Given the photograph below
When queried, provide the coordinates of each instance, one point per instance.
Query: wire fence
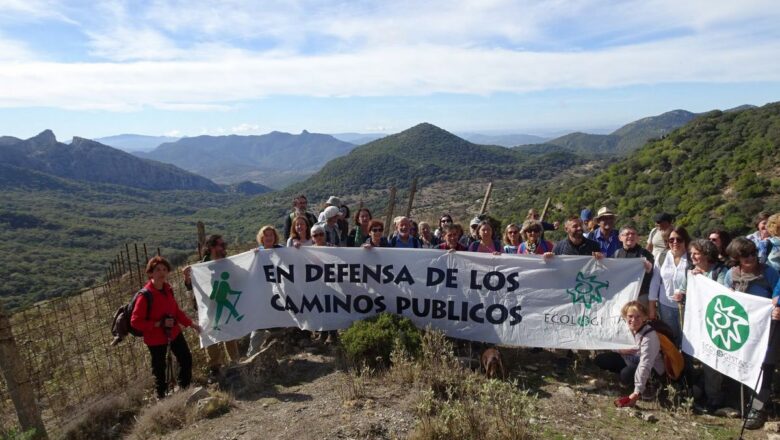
(64, 345)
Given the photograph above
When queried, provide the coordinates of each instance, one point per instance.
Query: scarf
(741, 281)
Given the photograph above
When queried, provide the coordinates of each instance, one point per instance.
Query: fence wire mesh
(65, 346)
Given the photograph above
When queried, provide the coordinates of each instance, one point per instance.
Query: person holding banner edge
(216, 249)
(751, 277)
(706, 261)
(161, 324)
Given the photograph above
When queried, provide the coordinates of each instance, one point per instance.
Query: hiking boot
(755, 419)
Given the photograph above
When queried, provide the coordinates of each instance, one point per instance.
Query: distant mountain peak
(45, 137)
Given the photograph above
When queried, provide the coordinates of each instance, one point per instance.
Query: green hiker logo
(587, 291)
(727, 323)
(219, 294)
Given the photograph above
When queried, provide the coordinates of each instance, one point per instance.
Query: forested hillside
(59, 234)
(719, 170)
(432, 155)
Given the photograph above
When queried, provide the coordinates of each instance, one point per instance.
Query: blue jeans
(671, 317)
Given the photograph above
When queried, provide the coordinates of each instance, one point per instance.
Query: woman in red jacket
(160, 325)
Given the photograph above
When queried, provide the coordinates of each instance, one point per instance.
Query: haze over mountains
(274, 159)
(135, 142)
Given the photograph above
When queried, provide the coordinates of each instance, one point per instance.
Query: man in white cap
(330, 225)
(332, 201)
(606, 235)
(466, 240)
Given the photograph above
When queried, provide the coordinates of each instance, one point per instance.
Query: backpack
(120, 325)
(673, 358)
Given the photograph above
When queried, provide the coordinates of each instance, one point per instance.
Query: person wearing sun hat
(606, 235)
(332, 201)
(473, 235)
(586, 215)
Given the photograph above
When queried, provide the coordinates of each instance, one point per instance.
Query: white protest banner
(726, 330)
(568, 302)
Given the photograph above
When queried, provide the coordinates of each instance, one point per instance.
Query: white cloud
(195, 56)
(245, 128)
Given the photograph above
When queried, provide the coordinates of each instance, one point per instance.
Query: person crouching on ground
(160, 324)
(636, 366)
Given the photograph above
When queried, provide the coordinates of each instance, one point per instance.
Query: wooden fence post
(544, 211)
(138, 266)
(201, 239)
(18, 381)
(390, 209)
(412, 191)
(129, 263)
(486, 199)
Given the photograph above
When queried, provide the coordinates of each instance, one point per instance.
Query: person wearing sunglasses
(666, 295)
(533, 242)
(318, 235)
(376, 237)
(444, 220)
(750, 276)
(721, 240)
(511, 238)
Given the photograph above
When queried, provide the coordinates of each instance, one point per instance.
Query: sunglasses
(319, 234)
(533, 231)
(675, 240)
(513, 232)
(445, 220)
(377, 229)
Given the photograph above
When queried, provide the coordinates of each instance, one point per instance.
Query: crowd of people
(748, 264)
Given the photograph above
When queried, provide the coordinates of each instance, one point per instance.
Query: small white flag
(727, 330)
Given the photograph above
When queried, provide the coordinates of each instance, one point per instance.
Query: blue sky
(95, 69)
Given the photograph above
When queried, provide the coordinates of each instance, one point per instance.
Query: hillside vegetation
(432, 155)
(625, 139)
(59, 235)
(719, 170)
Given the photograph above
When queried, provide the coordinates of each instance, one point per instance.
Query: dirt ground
(309, 397)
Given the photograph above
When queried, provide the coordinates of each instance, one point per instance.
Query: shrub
(172, 413)
(372, 340)
(106, 418)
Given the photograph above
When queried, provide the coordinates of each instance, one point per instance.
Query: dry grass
(173, 413)
(107, 418)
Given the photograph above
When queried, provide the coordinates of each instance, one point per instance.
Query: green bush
(372, 340)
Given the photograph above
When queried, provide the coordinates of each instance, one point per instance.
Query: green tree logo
(587, 290)
(220, 293)
(727, 323)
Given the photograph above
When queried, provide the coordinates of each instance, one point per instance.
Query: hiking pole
(772, 329)
(752, 397)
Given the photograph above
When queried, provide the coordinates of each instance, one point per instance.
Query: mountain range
(90, 161)
(623, 140)
(135, 142)
(274, 159)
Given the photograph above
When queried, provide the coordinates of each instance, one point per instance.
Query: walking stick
(772, 329)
